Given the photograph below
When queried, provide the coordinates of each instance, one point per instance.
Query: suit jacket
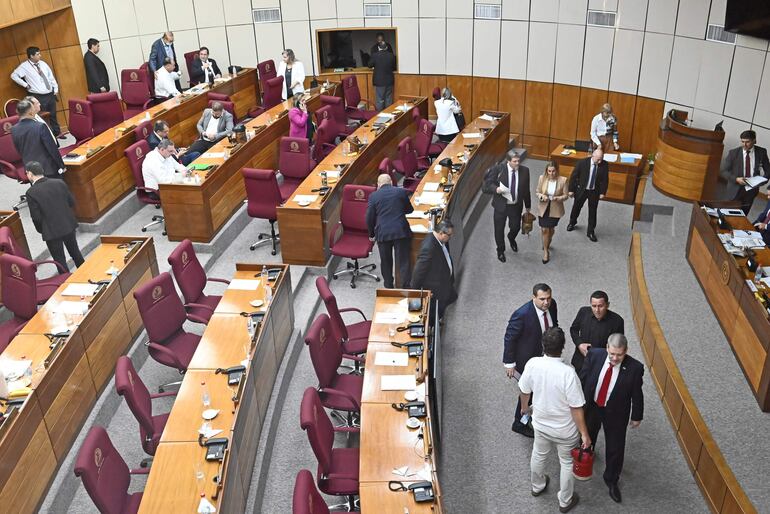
(587, 329)
(627, 398)
(386, 214)
(96, 73)
(557, 206)
(224, 127)
(578, 181)
(34, 142)
(761, 219)
(733, 167)
(158, 54)
(384, 64)
(499, 173)
(523, 337)
(50, 206)
(197, 75)
(431, 271)
(153, 140)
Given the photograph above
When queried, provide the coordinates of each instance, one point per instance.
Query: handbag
(527, 222)
(460, 120)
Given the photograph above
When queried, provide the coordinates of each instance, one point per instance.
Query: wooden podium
(687, 159)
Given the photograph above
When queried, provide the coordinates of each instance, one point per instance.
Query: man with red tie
(745, 161)
(612, 385)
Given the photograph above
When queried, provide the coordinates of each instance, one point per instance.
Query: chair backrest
(386, 166)
(294, 157)
(351, 91)
(266, 71)
(339, 329)
(273, 92)
(325, 350)
(228, 106)
(262, 193)
(416, 116)
(188, 272)
(135, 155)
(129, 385)
(307, 499)
(324, 133)
(103, 471)
(10, 107)
(159, 306)
(218, 96)
(81, 119)
(355, 199)
(8, 150)
(143, 130)
(407, 156)
(337, 107)
(8, 243)
(423, 137)
(106, 109)
(189, 57)
(19, 285)
(325, 114)
(133, 88)
(320, 432)
(150, 78)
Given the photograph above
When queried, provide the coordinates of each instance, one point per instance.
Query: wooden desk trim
(717, 483)
(12, 220)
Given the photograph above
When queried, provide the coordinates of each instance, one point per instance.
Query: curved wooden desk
(687, 159)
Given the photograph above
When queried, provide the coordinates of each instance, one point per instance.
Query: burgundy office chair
(129, 385)
(228, 106)
(436, 93)
(163, 316)
(189, 57)
(406, 164)
(135, 91)
(80, 124)
(135, 155)
(273, 92)
(149, 80)
(353, 100)
(294, 163)
(337, 473)
(105, 474)
(19, 287)
(307, 499)
(143, 130)
(386, 168)
(263, 195)
(9, 108)
(107, 110)
(336, 108)
(354, 242)
(266, 71)
(10, 161)
(423, 139)
(354, 337)
(325, 140)
(46, 287)
(191, 279)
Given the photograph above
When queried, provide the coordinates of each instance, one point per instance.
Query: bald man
(161, 49)
(386, 219)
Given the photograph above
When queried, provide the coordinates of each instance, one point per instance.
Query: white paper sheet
(80, 290)
(305, 198)
(486, 117)
(79, 158)
(206, 507)
(431, 186)
(391, 359)
(429, 198)
(471, 135)
(611, 157)
(332, 173)
(752, 182)
(13, 369)
(419, 229)
(397, 382)
(631, 155)
(213, 155)
(243, 284)
(506, 191)
(72, 307)
(389, 318)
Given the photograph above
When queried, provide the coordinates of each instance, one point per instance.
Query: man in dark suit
(384, 64)
(386, 219)
(434, 268)
(204, 70)
(33, 141)
(50, 206)
(162, 48)
(762, 222)
(96, 71)
(592, 326)
(160, 131)
(589, 181)
(523, 340)
(612, 385)
(508, 183)
(380, 40)
(747, 160)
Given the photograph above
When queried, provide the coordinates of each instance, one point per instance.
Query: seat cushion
(351, 384)
(210, 300)
(10, 329)
(287, 187)
(344, 461)
(359, 330)
(353, 246)
(359, 114)
(356, 346)
(182, 345)
(131, 505)
(436, 148)
(47, 287)
(158, 424)
(399, 165)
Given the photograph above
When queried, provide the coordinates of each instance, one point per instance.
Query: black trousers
(402, 248)
(512, 214)
(200, 145)
(56, 247)
(48, 104)
(614, 439)
(577, 205)
(746, 198)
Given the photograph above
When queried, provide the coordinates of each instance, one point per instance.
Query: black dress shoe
(615, 492)
(521, 428)
(592, 236)
(574, 501)
(514, 246)
(544, 489)
(570, 227)
(501, 256)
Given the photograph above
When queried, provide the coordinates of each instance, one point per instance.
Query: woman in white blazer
(446, 107)
(293, 73)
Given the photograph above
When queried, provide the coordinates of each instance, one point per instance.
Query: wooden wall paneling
(511, 99)
(484, 95)
(42, 6)
(591, 101)
(537, 109)
(60, 29)
(67, 65)
(427, 83)
(7, 44)
(9, 88)
(30, 33)
(406, 85)
(564, 112)
(462, 89)
(6, 13)
(648, 114)
(538, 146)
(624, 106)
(60, 3)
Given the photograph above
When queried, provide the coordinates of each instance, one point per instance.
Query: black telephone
(234, 374)
(215, 448)
(423, 491)
(414, 347)
(413, 409)
(416, 330)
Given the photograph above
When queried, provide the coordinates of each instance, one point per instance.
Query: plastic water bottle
(205, 397)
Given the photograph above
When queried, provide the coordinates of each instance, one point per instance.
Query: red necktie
(747, 168)
(601, 399)
(767, 218)
(545, 321)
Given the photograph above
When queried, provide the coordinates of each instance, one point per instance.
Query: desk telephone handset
(234, 374)
(414, 347)
(423, 491)
(414, 409)
(215, 448)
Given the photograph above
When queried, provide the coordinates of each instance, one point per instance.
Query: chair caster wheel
(16, 209)
(144, 229)
(352, 286)
(273, 252)
(334, 277)
(374, 266)
(165, 233)
(376, 279)
(259, 237)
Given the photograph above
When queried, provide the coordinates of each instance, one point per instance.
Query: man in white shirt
(604, 129)
(36, 77)
(165, 86)
(214, 124)
(557, 415)
(159, 166)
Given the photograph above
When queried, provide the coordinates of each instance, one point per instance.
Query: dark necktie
(592, 179)
(747, 166)
(545, 321)
(601, 398)
(48, 84)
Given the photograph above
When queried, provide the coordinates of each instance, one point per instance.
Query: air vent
(269, 15)
(601, 18)
(720, 35)
(377, 10)
(487, 12)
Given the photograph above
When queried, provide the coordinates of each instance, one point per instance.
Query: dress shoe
(547, 258)
(544, 489)
(574, 501)
(570, 227)
(514, 246)
(614, 492)
(501, 256)
(521, 428)
(592, 236)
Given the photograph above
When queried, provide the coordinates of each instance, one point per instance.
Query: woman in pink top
(298, 118)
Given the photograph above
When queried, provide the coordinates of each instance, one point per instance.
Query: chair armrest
(168, 353)
(199, 306)
(214, 279)
(342, 394)
(342, 476)
(147, 104)
(139, 471)
(163, 395)
(365, 101)
(330, 145)
(57, 264)
(333, 234)
(353, 309)
(11, 169)
(356, 358)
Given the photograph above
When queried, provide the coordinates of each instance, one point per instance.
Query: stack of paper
(305, 198)
(430, 186)
(80, 290)
(213, 155)
(243, 284)
(487, 117)
(470, 135)
(332, 173)
(611, 157)
(397, 382)
(79, 158)
(752, 182)
(389, 318)
(419, 229)
(429, 198)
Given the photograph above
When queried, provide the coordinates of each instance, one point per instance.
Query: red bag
(582, 463)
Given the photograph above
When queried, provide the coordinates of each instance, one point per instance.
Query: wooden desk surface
(235, 301)
(394, 301)
(34, 347)
(376, 497)
(372, 392)
(223, 343)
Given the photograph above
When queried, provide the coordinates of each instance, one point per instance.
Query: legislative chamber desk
(623, 176)
(305, 230)
(386, 442)
(723, 279)
(172, 485)
(12, 220)
(196, 208)
(104, 177)
(69, 372)
(488, 149)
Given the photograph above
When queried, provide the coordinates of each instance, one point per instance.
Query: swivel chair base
(272, 238)
(156, 220)
(352, 504)
(355, 270)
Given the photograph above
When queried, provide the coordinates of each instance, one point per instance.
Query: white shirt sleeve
(525, 382)
(574, 392)
(595, 129)
(19, 74)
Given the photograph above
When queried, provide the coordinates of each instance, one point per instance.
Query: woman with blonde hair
(551, 193)
(293, 73)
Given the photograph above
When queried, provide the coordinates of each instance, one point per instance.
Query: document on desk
(72, 160)
(68, 307)
(243, 284)
(429, 198)
(752, 182)
(630, 155)
(332, 173)
(487, 117)
(746, 233)
(611, 157)
(80, 290)
(13, 369)
(506, 191)
(213, 155)
(305, 199)
(419, 229)
(397, 383)
(430, 186)
(765, 281)
(471, 135)
(389, 318)
(399, 359)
